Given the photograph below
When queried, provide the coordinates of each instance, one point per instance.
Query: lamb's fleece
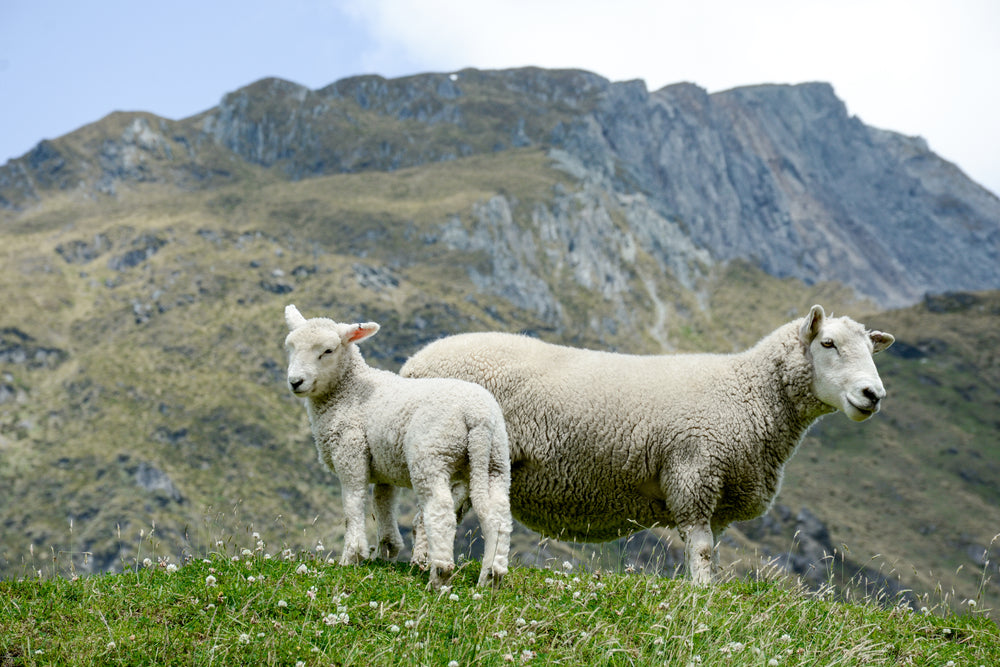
(433, 435)
(604, 444)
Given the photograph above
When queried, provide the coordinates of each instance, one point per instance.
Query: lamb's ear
(812, 325)
(358, 332)
(881, 340)
(293, 318)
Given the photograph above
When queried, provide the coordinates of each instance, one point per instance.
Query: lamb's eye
(828, 344)
(326, 352)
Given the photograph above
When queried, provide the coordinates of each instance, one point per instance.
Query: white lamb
(372, 426)
(605, 444)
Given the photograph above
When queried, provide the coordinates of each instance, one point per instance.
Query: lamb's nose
(295, 383)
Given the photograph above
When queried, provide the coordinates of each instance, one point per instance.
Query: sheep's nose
(873, 395)
(295, 383)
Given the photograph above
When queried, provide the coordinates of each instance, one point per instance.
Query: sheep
(604, 444)
(437, 436)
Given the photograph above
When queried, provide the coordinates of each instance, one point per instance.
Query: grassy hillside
(141, 369)
(247, 603)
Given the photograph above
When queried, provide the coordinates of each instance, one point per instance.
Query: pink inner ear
(360, 333)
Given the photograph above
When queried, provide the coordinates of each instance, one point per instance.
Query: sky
(920, 67)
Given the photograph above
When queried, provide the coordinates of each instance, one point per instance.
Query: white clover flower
(477, 596)
(567, 565)
(410, 624)
(453, 597)
(330, 619)
(373, 604)
(302, 569)
(527, 655)
(171, 567)
(299, 663)
(500, 634)
(251, 579)
(210, 580)
(111, 644)
(453, 663)
(235, 559)
(282, 603)
(246, 552)
(244, 638)
(311, 593)
(773, 662)
(785, 637)
(394, 628)
(146, 562)
(520, 622)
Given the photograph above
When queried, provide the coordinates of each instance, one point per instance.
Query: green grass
(251, 604)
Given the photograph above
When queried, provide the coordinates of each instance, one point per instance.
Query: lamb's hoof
(440, 576)
(491, 578)
(388, 550)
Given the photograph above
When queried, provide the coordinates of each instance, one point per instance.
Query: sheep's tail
(489, 491)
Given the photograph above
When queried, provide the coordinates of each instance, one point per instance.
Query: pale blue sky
(921, 67)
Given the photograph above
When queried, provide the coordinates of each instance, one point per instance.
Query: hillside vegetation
(247, 604)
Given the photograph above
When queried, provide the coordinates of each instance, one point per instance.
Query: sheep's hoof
(388, 550)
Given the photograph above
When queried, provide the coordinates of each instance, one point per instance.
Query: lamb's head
(844, 373)
(318, 351)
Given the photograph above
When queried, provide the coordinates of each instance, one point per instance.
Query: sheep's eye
(828, 344)
(326, 352)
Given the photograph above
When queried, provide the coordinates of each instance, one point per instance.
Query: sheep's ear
(293, 318)
(812, 325)
(881, 340)
(358, 332)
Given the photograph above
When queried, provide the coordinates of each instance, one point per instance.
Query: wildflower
(785, 637)
(282, 603)
(453, 597)
(527, 655)
(732, 647)
(445, 589)
(311, 593)
(453, 663)
(410, 624)
(246, 552)
(210, 581)
(773, 662)
(500, 634)
(299, 663)
(171, 567)
(567, 565)
(520, 622)
(302, 569)
(235, 559)
(244, 638)
(251, 579)
(146, 562)
(394, 629)
(111, 644)
(971, 603)
(477, 596)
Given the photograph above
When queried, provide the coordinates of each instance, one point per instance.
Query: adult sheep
(604, 444)
(437, 436)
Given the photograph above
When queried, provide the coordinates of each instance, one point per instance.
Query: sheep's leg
(439, 524)
(386, 521)
(698, 552)
(716, 538)
(355, 541)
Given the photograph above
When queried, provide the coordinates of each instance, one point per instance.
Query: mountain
(146, 264)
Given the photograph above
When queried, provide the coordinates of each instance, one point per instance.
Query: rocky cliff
(780, 176)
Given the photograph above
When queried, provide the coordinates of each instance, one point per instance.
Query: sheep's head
(317, 351)
(844, 373)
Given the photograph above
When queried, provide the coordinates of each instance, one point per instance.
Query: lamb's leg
(419, 556)
(439, 524)
(355, 540)
(496, 525)
(698, 552)
(386, 521)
